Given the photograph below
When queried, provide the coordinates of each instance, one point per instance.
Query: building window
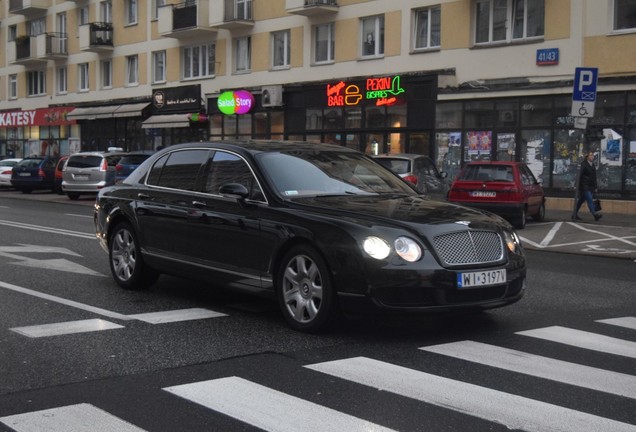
(156, 4)
(158, 66)
(198, 61)
(426, 28)
(36, 83)
(624, 15)
(106, 11)
(131, 12)
(107, 73)
(132, 77)
(280, 49)
(82, 77)
(324, 43)
(13, 86)
(36, 27)
(242, 54)
(243, 9)
(13, 32)
(62, 84)
(526, 18)
(82, 15)
(372, 36)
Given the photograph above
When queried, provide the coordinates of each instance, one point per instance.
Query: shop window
(449, 152)
(244, 124)
(277, 123)
(507, 112)
(631, 108)
(536, 112)
(480, 114)
(372, 36)
(624, 15)
(448, 115)
(396, 116)
(478, 145)
(609, 109)
(314, 119)
(426, 28)
(375, 117)
(492, 17)
(281, 42)
(505, 146)
(534, 150)
(353, 118)
(333, 119)
(630, 161)
(608, 143)
(324, 43)
(568, 153)
(419, 143)
(36, 83)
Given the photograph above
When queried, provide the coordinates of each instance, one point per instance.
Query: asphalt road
(76, 350)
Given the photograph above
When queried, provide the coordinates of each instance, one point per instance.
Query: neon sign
(381, 90)
(235, 102)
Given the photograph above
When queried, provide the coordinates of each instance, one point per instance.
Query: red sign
(38, 117)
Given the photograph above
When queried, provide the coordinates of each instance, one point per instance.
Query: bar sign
(548, 56)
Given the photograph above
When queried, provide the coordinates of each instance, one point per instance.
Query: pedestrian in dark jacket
(587, 187)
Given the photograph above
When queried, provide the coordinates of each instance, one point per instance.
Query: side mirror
(234, 190)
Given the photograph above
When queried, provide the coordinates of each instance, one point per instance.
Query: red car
(508, 189)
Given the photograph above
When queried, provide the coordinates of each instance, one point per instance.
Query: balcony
(185, 20)
(51, 46)
(96, 37)
(29, 7)
(23, 51)
(311, 7)
(235, 14)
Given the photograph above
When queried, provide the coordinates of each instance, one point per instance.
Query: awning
(167, 121)
(107, 111)
(130, 110)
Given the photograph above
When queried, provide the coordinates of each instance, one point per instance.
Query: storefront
(45, 131)
(176, 116)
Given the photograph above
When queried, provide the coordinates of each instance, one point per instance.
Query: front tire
(521, 220)
(126, 263)
(306, 295)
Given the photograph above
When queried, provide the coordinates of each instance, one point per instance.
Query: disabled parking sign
(584, 92)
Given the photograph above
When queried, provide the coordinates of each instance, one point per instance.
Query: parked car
(36, 172)
(322, 228)
(419, 170)
(129, 162)
(88, 172)
(59, 173)
(6, 168)
(508, 189)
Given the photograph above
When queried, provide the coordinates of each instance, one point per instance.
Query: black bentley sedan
(323, 228)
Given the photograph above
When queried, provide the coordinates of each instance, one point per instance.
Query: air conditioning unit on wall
(272, 96)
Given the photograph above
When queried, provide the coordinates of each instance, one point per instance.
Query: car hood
(399, 211)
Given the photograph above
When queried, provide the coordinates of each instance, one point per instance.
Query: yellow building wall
(347, 35)
(267, 9)
(221, 66)
(144, 59)
(173, 64)
(455, 25)
(260, 52)
(392, 39)
(128, 34)
(611, 54)
(297, 43)
(557, 19)
(119, 71)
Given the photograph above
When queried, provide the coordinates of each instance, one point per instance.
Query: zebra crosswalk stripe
(72, 418)
(269, 409)
(627, 322)
(539, 366)
(583, 339)
(515, 412)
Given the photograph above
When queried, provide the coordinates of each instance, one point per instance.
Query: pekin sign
(235, 102)
(377, 91)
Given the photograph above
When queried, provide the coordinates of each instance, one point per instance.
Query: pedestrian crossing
(267, 408)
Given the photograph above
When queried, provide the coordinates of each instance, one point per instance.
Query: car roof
(97, 153)
(495, 163)
(410, 156)
(262, 146)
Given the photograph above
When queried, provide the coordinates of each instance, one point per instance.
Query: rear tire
(540, 215)
(305, 293)
(73, 196)
(26, 191)
(126, 263)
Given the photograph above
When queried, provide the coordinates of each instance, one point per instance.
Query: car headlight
(376, 247)
(406, 248)
(512, 242)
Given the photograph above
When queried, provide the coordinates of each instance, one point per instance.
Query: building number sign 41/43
(547, 57)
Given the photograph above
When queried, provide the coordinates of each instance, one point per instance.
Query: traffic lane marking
(49, 230)
(64, 328)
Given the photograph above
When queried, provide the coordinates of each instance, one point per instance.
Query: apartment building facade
(457, 80)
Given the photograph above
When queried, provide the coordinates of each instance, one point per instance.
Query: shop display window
(535, 152)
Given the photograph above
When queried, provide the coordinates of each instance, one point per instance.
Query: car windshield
(84, 161)
(399, 166)
(487, 173)
(324, 173)
(8, 163)
(133, 159)
(30, 163)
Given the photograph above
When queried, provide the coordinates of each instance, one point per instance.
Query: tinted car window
(398, 166)
(30, 163)
(133, 159)
(179, 169)
(85, 161)
(487, 173)
(229, 168)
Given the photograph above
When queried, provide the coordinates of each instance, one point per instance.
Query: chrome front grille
(469, 247)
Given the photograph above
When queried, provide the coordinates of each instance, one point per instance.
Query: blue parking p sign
(584, 92)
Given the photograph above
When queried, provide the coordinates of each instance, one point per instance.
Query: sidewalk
(613, 236)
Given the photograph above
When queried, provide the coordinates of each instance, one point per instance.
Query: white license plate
(488, 194)
(24, 174)
(81, 177)
(481, 278)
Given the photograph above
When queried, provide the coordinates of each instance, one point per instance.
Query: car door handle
(198, 204)
(143, 196)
